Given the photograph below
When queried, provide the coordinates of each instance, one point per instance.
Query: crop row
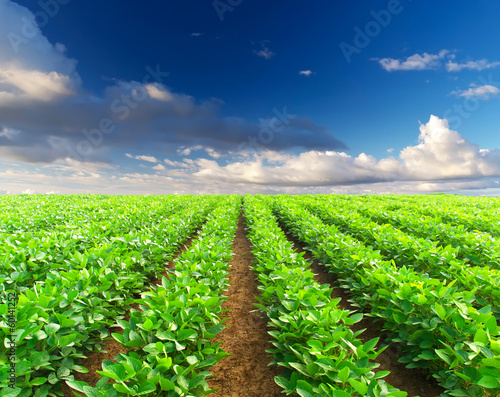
(477, 247)
(171, 334)
(147, 244)
(21, 214)
(457, 213)
(69, 309)
(312, 339)
(420, 254)
(436, 324)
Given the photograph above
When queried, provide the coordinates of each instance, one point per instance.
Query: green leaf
(184, 334)
(52, 328)
(282, 382)
(489, 382)
(361, 388)
(123, 389)
(344, 374)
(146, 388)
(192, 360)
(441, 353)
(91, 392)
(115, 372)
(381, 374)
(148, 325)
(9, 392)
(304, 389)
(66, 340)
(491, 362)
(440, 310)
(135, 343)
(165, 335)
(76, 385)
(63, 372)
(166, 384)
(357, 317)
(458, 393)
(340, 393)
(481, 337)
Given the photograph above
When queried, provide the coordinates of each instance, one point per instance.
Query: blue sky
(249, 96)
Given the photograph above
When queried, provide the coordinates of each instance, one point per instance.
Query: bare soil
(413, 381)
(246, 372)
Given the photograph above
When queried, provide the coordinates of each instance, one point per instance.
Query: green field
(151, 273)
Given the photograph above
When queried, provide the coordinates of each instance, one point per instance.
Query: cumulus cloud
(31, 68)
(423, 61)
(33, 85)
(483, 92)
(443, 160)
(159, 167)
(306, 72)
(442, 154)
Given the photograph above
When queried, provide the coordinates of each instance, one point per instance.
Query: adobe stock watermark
(470, 104)
(266, 134)
(257, 143)
(223, 6)
(121, 107)
(363, 37)
(30, 29)
(10, 300)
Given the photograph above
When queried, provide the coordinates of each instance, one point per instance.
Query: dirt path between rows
(245, 373)
(413, 381)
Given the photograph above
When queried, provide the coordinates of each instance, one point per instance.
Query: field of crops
(345, 295)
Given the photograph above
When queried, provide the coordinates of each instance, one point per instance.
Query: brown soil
(111, 348)
(413, 381)
(246, 372)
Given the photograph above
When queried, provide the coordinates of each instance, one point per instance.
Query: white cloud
(158, 92)
(196, 34)
(26, 85)
(442, 154)
(428, 61)
(150, 159)
(31, 69)
(443, 160)
(173, 163)
(306, 72)
(483, 92)
(415, 62)
(186, 151)
(9, 133)
(43, 99)
(159, 167)
(264, 52)
(129, 155)
(481, 64)
(212, 153)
